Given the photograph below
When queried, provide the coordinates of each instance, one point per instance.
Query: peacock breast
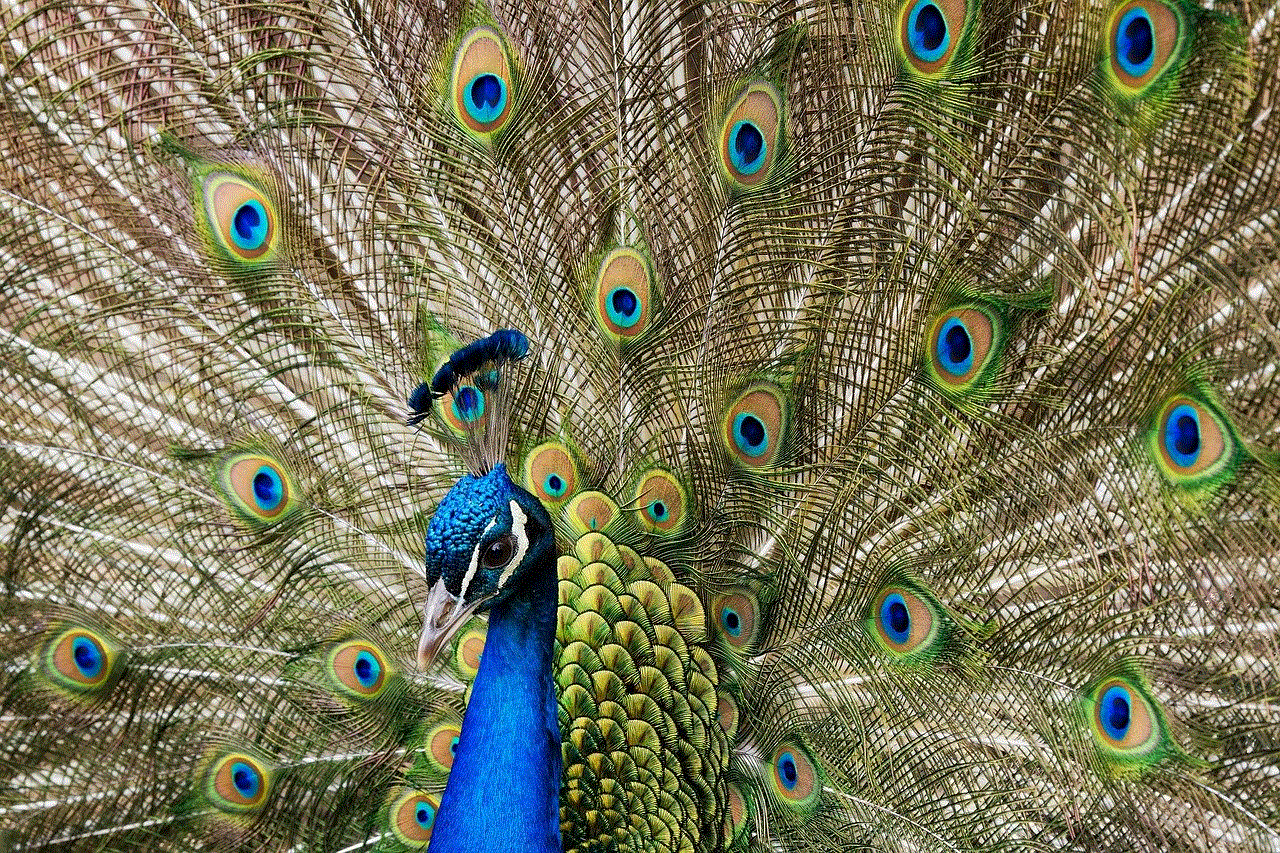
(645, 756)
(642, 706)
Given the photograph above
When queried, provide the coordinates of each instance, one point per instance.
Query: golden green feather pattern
(903, 383)
(645, 757)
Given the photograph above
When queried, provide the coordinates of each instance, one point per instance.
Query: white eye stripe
(475, 560)
(519, 521)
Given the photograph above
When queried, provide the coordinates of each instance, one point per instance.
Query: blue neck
(504, 789)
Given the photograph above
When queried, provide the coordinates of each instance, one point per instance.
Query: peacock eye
(932, 32)
(625, 294)
(751, 136)
(483, 83)
(498, 552)
(963, 349)
(1146, 39)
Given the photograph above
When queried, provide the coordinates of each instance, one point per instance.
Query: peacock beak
(443, 614)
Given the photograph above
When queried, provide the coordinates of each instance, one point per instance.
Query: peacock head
(483, 540)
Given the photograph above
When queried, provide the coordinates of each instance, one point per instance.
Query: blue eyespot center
(746, 147)
(624, 307)
(899, 619)
(487, 98)
(249, 225)
(658, 511)
(453, 746)
(246, 780)
(468, 404)
(955, 347)
(1116, 712)
(1135, 42)
(731, 621)
(895, 618)
(958, 347)
(554, 485)
(367, 669)
(486, 91)
(927, 31)
(268, 489)
(787, 772)
(1182, 436)
(87, 656)
(424, 815)
(1188, 439)
(750, 434)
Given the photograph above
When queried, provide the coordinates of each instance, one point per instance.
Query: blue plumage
(502, 345)
(490, 545)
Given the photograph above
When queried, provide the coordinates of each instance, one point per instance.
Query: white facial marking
(475, 558)
(519, 521)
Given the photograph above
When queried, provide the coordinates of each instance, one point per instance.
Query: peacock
(611, 427)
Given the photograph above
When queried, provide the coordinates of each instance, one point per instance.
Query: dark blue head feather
(481, 543)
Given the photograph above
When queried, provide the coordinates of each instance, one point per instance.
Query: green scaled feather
(638, 706)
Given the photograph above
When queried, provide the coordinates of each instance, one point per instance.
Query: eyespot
(257, 488)
(962, 346)
(751, 136)
(242, 217)
(737, 815)
(482, 83)
(442, 741)
(463, 409)
(904, 623)
(468, 649)
(929, 33)
(81, 661)
(551, 474)
(239, 783)
(796, 781)
(412, 817)
(359, 669)
(660, 502)
(737, 615)
(1193, 443)
(1144, 41)
(624, 294)
(591, 511)
(727, 714)
(1134, 45)
(498, 553)
(1126, 722)
(755, 425)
